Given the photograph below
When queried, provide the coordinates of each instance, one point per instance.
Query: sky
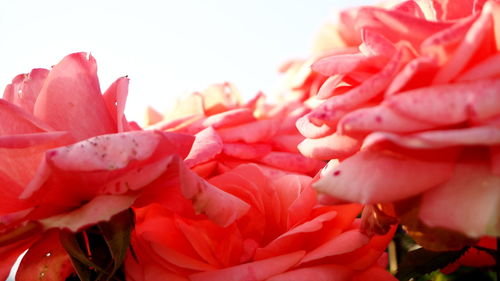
(167, 48)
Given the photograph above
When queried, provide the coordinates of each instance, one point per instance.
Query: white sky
(166, 47)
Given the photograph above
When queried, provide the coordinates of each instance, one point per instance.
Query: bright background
(167, 48)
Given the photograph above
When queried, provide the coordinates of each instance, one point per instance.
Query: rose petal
(206, 146)
(469, 202)
(25, 88)
(115, 98)
(472, 41)
(310, 130)
(246, 151)
(229, 118)
(419, 70)
(375, 44)
(292, 162)
(329, 272)
(377, 177)
(343, 243)
(488, 68)
(342, 64)
(70, 100)
(257, 131)
(14, 120)
(379, 118)
(258, 270)
(449, 104)
(99, 209)
(330, 147)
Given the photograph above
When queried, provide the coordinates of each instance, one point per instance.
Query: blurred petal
(330, 147)
(469, 202)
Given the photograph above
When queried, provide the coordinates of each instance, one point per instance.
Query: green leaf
(116, 233)
(421, 261)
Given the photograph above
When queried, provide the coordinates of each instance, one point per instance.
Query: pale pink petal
(229, 118)
(25, 88)
(341, 64)
(379, 118)
(246, 151)
(468, 203)
(99, 209)
(206, 146)
(329, 87)
(257, 131)
(375, 177)
(258, 270)
(472, 41)
(292, 162)
(115, 98)
(71, 99)
(329, 147)
(343, 243)
(330, 111)
(449, 104)
(375, 44)
(330, 272)
(489, 68)
(419, 69)
(311, 130)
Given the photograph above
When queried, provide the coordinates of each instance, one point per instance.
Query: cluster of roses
(403, 101)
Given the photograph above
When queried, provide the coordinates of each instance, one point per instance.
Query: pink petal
(379, 118)
(409, 7)
(294, 238)
(25, 88)
(71, 100)
(377, 177)
(297, 198)
(246, 151)
(292, 162)
(310, 130)
(14, 120)
(252, 132)
(287, 143)
(449, 104)
(419, 69)
(115, 98)
(489, 68)
(229, 118)
(472, 41)
(341, 64)
(329, 147)
(258, 270)
(330, 111)
(206, 146)
(343, 243)
(330, 272)
(448, 10)
(221, 207)
(329, 87)
(99, 209)
(469, 202)
(375, 44)
(10, 253)
(374, 274)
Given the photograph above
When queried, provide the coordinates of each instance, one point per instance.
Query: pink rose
(412, 118)
(229, 133)
(68, 160)
(245, 224)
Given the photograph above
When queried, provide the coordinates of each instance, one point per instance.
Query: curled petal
(25, 88)
(330, 147)
(206, 146)
(115, 98)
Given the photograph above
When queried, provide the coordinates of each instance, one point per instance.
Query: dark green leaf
(421, 261)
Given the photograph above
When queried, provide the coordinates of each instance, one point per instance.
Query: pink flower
(250, 225)
(68, 160)
(229, 133)
(414, 115)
